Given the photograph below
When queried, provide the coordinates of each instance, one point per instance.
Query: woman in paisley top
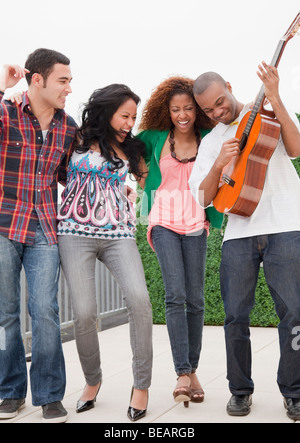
(97, 221)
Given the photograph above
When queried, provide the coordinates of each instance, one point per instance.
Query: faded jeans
(182, 261)
(239, 270)
(121, 257)
(47, 372)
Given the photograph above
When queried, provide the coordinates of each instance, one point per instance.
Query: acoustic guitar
(243, 179)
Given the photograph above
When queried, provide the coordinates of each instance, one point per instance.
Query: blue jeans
(182, 261)
(239, 270)
(47, 372)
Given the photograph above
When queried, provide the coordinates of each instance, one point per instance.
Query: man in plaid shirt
(35, 139)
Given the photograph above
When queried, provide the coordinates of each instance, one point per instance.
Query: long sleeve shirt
(31, 164)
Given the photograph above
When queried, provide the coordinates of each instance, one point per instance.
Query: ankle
(194, 377)
(184, 377)
(183, 380)
(90, 392)
(139, 398)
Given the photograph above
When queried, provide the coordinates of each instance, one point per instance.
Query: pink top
(174, 207)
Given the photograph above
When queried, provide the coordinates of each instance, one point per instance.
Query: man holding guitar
(271, 234)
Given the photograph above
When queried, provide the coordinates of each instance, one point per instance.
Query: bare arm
(289, 131)
(143, 168)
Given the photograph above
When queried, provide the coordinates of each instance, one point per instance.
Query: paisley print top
(94, 203)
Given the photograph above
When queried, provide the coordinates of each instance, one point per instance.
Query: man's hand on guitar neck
(289, 131)
(270, 78)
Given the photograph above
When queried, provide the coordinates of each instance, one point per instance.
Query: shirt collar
(25, 103)
(222, 129)
(25, 106)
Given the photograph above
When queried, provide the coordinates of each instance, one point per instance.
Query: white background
(140, 43)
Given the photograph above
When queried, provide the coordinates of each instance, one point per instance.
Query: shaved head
(204, 81)
(214, 96)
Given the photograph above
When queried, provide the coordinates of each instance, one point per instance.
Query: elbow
(204, 199)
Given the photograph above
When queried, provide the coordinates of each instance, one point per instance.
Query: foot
(54, 413)
(196, 389)
(88, 399)
(9, 408)
(138, 404)
(90, 392)
(139, 399)
(293, 408)
(182, 392)
(183, 384)
(239, 405)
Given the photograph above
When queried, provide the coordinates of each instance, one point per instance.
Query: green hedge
(263, 314)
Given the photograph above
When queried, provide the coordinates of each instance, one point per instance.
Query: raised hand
(10, 75)
(270, 78)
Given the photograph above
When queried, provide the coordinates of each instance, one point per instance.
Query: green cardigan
(154, 141)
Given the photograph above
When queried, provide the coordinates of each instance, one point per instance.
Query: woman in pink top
(173, 125)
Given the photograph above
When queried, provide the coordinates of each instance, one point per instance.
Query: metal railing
(109, 302)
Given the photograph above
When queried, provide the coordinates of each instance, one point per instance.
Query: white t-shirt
(279, 206)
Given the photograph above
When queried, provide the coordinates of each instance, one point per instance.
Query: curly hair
(96, 127)
(156, 113)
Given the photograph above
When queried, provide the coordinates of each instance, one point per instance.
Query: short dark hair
(205, 80)
(42, 62)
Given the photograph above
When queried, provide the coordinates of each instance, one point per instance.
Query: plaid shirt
(30, 169)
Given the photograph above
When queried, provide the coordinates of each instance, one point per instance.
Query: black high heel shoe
(135, 414)
(83, 406)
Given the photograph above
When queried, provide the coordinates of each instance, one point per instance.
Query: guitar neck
(278, 53)
(261, 96)
(275, 62)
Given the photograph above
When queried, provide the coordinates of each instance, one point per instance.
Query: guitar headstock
(293, 29)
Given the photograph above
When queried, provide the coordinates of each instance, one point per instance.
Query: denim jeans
(182, 261)
(239, 270)
(47, 372)
(121, 257)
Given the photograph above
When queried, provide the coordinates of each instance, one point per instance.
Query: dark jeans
(182, 262)
(239, 270)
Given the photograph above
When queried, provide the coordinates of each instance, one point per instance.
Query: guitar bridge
(228, 180)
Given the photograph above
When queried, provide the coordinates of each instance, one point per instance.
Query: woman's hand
(16, 97)
(130, 193)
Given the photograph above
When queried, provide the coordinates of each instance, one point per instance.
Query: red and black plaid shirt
(30, 169)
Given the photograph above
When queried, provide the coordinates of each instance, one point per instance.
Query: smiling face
(218, 103)
(124, 119)
(182, 110)
(56, 88)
